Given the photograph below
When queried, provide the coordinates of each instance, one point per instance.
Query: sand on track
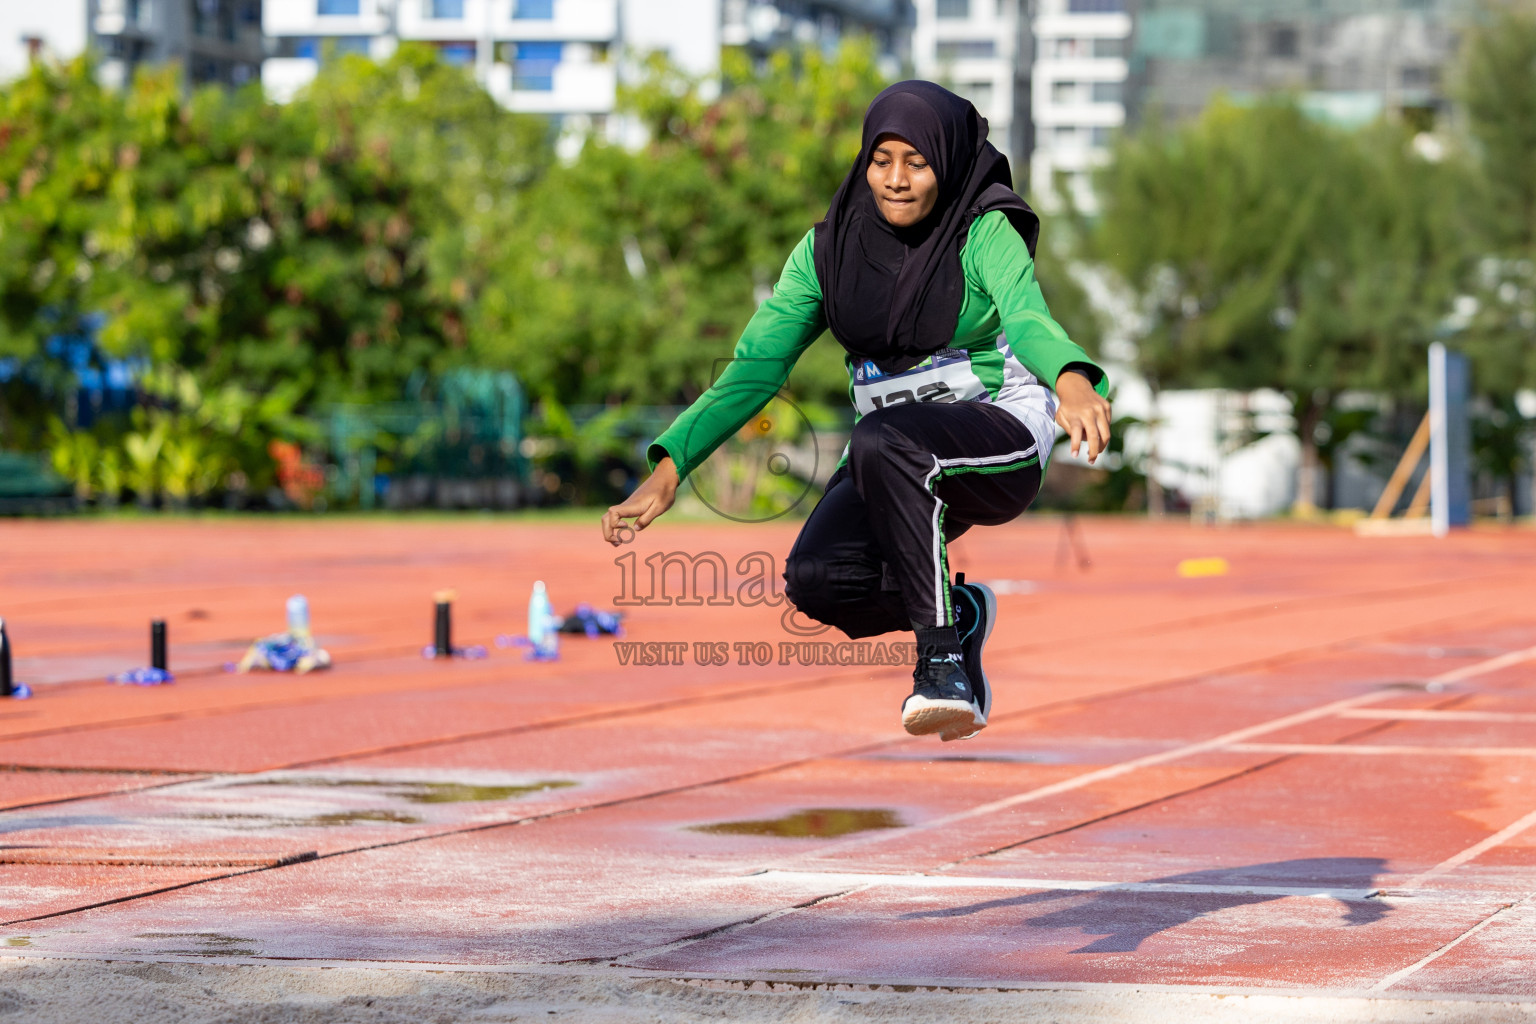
(58, 991)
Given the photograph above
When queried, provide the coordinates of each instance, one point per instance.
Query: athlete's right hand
(651, 499)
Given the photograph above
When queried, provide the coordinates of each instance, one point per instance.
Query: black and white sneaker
(941, 700)
(975, 614)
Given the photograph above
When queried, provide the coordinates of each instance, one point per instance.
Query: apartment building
(980, 49)
(1347, 60)
(539, 56)
(557, 57)
(1082, 50)
(216, 41)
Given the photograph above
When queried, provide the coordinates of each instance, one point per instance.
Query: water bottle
(298, 619)
(543, 636)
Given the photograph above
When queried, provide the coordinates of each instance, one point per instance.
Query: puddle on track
(811, 823)
(293, 812)
(372, 816)
(421, 792)
(209, 944)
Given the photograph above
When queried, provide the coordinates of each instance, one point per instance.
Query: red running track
(1316, 772)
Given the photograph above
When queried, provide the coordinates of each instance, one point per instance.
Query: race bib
(945, 376)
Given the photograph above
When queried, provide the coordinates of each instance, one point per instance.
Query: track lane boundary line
(1448, 715)
(1352, 750)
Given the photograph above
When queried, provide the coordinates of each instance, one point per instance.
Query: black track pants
(871, 557)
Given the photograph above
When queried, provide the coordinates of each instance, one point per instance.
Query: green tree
(1266, 249)
(59, 141)
(322, 251)
(1495, 83)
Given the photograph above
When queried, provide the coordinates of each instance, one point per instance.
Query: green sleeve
(780, 330)
(996, 258)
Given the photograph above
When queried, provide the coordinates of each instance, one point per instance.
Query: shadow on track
(1125, 919)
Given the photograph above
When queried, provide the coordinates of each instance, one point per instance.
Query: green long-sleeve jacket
(1006, 349)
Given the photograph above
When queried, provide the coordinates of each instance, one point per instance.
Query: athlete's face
(903, 183)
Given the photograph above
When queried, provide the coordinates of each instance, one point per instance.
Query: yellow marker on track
(1193, 567)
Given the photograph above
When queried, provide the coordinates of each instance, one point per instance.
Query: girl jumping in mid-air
(923, 269)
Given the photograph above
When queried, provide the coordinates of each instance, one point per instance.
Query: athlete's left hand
(1082, 413)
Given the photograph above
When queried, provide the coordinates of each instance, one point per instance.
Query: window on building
(965, 49)
(337, 8)
(1107, 92)
(1109, 47)
(444, 9)
(1095, 6)
(953, 9)
(980, 95)
(1283, 41)
(139, 13)
(1062, 49)
(457, 54)
(214, 19)
(129, 51)
(533, 66)
(1099, 137)
(1065, 135)
(315, 48)
(1064, 92)
(537, 10)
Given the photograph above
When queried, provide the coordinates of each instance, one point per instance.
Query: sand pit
(66, 992)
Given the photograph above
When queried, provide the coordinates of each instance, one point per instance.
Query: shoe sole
(923, 717)
(979, 717)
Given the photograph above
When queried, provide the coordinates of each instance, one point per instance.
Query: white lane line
(1426, 715)
(1450, 864)
(1363, 748)
(1482, 668)
(1414, 968)
(1177, 753)
(876, 880)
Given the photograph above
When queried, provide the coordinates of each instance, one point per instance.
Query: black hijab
(893, 294)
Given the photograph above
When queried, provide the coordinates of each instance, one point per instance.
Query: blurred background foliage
(244, 268)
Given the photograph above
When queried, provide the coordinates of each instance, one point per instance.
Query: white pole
(1439, 444)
